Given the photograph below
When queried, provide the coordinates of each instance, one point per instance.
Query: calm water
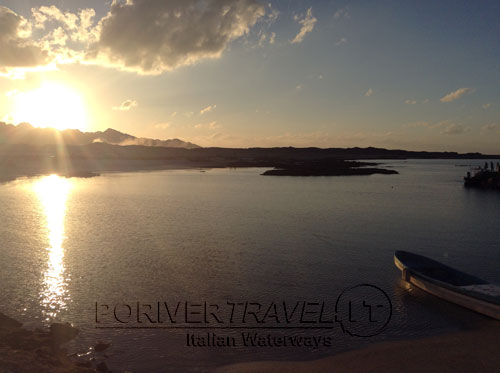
(233, 235)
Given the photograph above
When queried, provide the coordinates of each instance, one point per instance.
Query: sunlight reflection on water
(53, 191)
(227, 235)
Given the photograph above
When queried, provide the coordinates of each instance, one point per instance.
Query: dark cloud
(16, 49)
(151, 36)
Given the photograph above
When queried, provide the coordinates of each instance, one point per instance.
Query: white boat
(449, 284)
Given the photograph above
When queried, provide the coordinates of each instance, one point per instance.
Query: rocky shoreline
(41, 350)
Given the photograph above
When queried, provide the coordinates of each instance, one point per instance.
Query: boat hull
(447, 291)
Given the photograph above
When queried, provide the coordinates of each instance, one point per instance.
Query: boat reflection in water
(53, 191)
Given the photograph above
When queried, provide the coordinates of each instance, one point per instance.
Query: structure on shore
(484, 177)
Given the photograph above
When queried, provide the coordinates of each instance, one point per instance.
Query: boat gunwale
(453, 288)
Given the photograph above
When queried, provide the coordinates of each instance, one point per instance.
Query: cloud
(207, 109)
(147, 37)
(307, 23)
(445, 127)
(341, 13)
(273, 14)
(25, 51)
(452, 96)
(77, 27)
(418, 124)
(341, 41)
(16, 47)
(262, 39)
(213, 125)
(162, 126)
(126, 105)
(151, 37)
(210, 126)
(265, 35)
(46, 14)
(369, 92)
(271, 38)
(411, 102)
(452, 128)
(486, 106)
(492, 127)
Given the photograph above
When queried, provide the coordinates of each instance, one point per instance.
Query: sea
(229, 252)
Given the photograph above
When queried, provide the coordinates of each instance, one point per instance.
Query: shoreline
(466, 350)
(42, 349)
(97, 168)
(84, 171)
(473, 348)
(19, 160)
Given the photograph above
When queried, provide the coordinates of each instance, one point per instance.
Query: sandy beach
(475, 350)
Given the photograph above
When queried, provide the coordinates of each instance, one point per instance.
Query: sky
(415, 75)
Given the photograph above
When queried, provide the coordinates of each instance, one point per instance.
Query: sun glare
(53, 192)
(51, 105)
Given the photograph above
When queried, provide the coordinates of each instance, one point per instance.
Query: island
(327, 167)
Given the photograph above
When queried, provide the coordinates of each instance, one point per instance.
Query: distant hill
(24, 133)
(28, 151)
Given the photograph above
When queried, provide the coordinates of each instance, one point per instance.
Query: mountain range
(25, 133)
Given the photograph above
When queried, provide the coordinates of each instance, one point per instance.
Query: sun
(52, 105)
